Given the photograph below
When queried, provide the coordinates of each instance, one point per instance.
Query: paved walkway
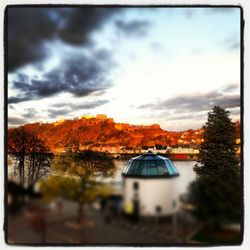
(60, 229)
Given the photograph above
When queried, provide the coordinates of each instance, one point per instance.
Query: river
(181, 182)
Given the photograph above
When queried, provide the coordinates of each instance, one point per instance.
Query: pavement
(61, 229)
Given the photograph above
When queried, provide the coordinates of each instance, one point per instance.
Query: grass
(218, 237)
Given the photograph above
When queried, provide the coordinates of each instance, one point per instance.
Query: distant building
(154, 126)
(110, 120)
(87, 117)
(59, 122)
(181, 150)
(121, 126)
(101, 117)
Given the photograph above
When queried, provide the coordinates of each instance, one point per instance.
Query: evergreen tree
(215, 193)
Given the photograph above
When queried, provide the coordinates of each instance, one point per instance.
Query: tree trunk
(32, 170)
(80, 213)
(21, 172)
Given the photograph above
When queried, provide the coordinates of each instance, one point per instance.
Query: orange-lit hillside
(101, 131)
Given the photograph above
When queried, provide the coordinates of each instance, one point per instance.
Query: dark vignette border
(242, 24)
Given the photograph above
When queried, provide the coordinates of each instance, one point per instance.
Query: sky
(168, 66)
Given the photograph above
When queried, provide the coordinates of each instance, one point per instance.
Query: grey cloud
(230, 88)
(232, 42)
(89, 105)
(189, 13)
(59, 105)
(99, 92)
(17, 99)
(235, 111)
(68, 108)
(191, 101)
(196, 102)
(234, 45)
(157, 46)
(221, 10)
(79, 106)
(34, 89)
(30, 113)
(147, 105)
(11, 107)
(52, 113)
(203, 101)
(188, 116)
(229, 101)
(135, 28)
(14, 121)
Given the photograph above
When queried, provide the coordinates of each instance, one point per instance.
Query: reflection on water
(185, 168)
(187, 175)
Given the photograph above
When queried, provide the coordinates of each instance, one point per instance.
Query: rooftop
(150, 165)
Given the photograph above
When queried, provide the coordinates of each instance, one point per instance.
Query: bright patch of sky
(175, 52)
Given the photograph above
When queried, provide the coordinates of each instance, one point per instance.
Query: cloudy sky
(138, 65)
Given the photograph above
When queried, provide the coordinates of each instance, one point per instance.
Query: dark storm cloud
(79, 23)
(133, 28)
(30, 28)
(79, 75)
(17, 99)
(196, 102)
(83, 76)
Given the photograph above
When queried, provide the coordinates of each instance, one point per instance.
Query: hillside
(98, 132)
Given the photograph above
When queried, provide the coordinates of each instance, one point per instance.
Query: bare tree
(31, 155)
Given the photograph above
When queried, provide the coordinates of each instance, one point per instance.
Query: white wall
(152, 193)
